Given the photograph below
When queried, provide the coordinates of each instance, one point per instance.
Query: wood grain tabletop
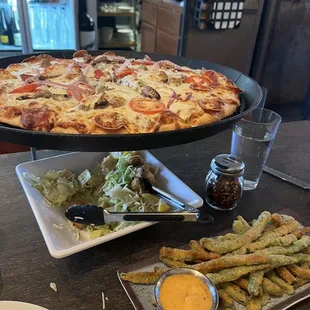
(26, 268)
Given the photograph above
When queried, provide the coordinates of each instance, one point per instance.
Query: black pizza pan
(250, 98)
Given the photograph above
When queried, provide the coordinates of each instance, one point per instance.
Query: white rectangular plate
(62, 243)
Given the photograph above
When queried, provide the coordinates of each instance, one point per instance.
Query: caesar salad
(115, 183)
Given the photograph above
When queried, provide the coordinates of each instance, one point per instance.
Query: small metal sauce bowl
(197, 274)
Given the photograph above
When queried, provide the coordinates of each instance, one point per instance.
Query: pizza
(111, 94)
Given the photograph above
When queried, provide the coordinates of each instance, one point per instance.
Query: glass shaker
(224, 182)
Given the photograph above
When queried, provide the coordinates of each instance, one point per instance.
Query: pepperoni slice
(168, 117)
(191, 79)
(36, 118)
(200, 87)
(146, 106)
(235, 89)
(80, 53)
(98, 74)
(109, 53)
(109, 120)
(215, 105)
(211, 76)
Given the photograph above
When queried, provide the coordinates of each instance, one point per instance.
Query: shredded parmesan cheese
(77, 235)
(103, 301)
(53, 286)
(60, 226)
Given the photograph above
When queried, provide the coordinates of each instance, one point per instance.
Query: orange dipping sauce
(184, 292)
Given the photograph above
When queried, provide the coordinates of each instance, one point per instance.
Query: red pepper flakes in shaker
(224, 182)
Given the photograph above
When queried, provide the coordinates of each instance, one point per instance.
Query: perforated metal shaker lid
(227, 164)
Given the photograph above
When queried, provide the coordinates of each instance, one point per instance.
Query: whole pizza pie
(108, 94)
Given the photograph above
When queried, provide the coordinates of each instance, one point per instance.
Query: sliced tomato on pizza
(146, 105)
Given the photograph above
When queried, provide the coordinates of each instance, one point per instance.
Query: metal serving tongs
(90, 214)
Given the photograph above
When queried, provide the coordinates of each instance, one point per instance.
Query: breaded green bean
(272, 288)
(220, 238)
(271, 237)
(238, 227)
(285, 275)
(299, 282)
(277, 261)
(235, 292)
(288, 289)
(249, 236)
(277, 220)
(300, 272)
(160, 269)
(301, 231)
(246, 225)
(297, 246)
(283, 241)
(254, 303)
(305, 265)
(225, 262)
(242, 283)
(141, 277)
(196, 246)
(229, 236)
(265, 298)
(225, 299)
(186, 255)
(173, 263)
(243, 250)
(300, 258)
(234, 273)
(270, 227)
(255, 283)
(306, 250)
(287, 218)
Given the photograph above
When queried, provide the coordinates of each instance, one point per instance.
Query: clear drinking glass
(252, 139)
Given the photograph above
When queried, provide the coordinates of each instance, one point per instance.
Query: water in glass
(252, 143)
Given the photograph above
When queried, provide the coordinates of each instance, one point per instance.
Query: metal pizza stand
(250, 98)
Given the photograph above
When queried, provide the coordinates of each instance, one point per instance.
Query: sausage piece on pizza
(35, 117)
(38, 58)
(109, 120)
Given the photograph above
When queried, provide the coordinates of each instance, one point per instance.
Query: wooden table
(27, 268)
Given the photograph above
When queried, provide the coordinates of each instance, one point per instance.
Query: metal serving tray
(251, 97)
(141, 295)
